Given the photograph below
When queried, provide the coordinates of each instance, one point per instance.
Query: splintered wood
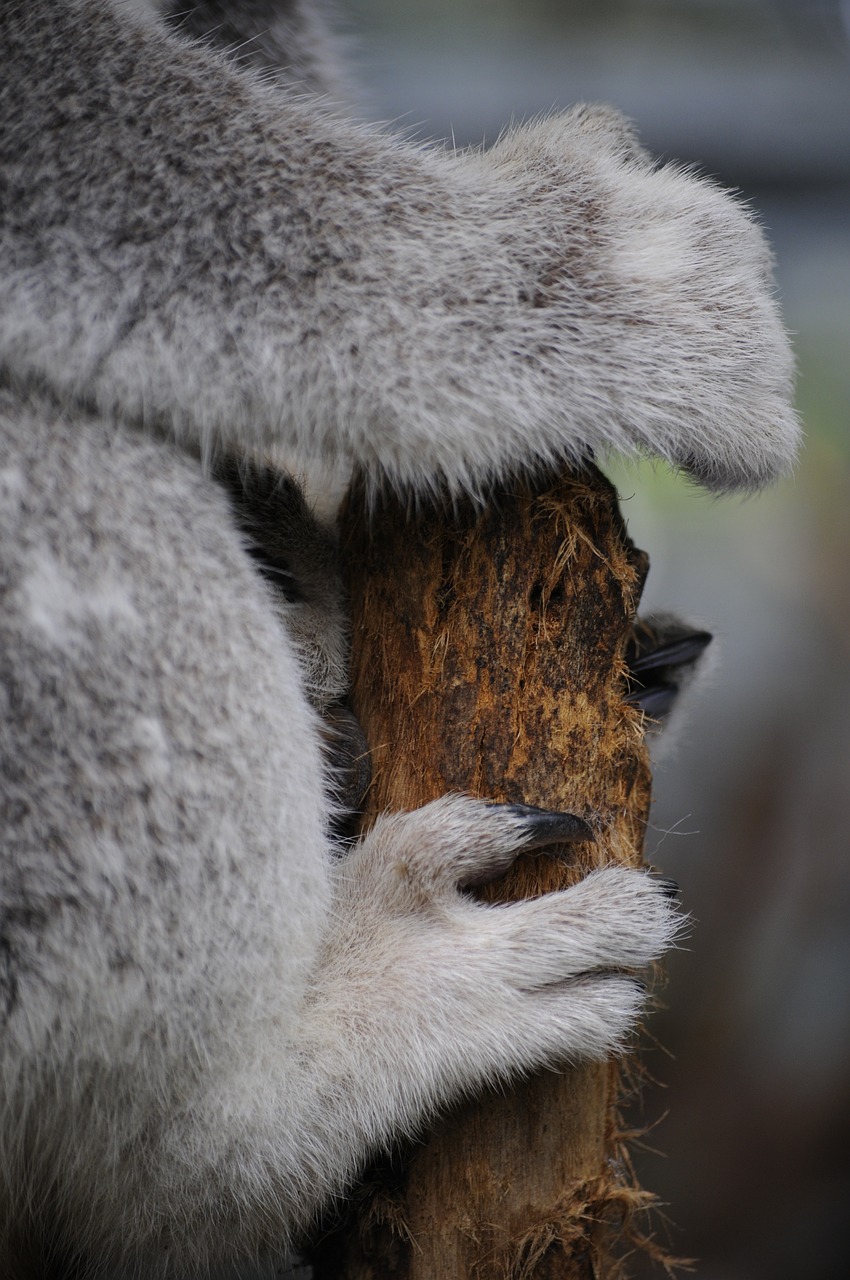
(488, 658)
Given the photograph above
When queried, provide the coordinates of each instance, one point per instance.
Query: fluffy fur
(208, 1022)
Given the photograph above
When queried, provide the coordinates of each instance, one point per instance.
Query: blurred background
(751, 810)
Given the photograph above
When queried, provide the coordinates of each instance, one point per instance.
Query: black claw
(545, 826)
(678, 651)
(669, 888)
(662, 654)
(656, 702)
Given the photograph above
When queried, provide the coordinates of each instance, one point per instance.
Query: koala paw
(653, 313)
(492, 989)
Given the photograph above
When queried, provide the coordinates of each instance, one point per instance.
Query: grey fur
(207, 1022)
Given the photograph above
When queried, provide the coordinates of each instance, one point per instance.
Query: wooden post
(488, 658)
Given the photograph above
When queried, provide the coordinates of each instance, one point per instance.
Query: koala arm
(202, 251)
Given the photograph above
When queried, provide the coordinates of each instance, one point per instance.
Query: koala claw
(548, 826)
(460, 841)
(670, 888)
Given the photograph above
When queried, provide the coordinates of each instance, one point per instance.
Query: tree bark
(488, 658)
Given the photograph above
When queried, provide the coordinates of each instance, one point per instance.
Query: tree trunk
(488, 658)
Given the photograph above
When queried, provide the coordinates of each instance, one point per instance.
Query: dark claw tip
(545, 826)
(669, 888)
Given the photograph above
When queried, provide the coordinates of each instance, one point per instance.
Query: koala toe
(597, 1014)
(615, 920)
(457, 841)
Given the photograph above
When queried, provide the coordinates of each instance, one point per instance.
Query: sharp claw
(546, 826)
(656, 702)
(662, 654)
(682, 650)
(669, 888)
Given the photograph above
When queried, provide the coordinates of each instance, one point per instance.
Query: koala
(209, 1017)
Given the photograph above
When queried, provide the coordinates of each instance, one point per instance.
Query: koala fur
(208, 1021)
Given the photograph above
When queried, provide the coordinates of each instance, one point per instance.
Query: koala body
(209, 1021)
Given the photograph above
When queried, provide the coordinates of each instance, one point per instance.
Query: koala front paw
(494, 990)
(655, 287)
